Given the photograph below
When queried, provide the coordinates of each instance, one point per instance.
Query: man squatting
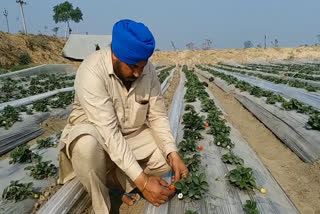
(118, 134)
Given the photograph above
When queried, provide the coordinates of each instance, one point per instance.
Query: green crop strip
(17, 88)
(293, 83)
(241, 177)
(272, 98)
(10, 115)
(163, 74)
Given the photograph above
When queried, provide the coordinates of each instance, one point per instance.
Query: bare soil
(41, 48)
(169, 94)
(300, 181)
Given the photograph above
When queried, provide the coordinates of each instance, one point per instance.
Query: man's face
(128, 73)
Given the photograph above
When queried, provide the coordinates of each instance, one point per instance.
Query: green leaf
(178, 185)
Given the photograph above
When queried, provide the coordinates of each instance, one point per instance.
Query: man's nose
(137, 73)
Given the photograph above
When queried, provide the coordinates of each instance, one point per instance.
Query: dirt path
(300, 181)
(168, 95)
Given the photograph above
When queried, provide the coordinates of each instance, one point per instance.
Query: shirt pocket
(139, 112)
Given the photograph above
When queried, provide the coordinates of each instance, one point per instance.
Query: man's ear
(114, 56)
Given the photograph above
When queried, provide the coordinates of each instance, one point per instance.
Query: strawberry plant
(191, 212)
(314, 121)
(251, 207)
(194, 186)
(191, 134)
(192, 161)
(9, 116)
(274, 99)
(188, 145)
(223, 140)
(189, 107)
(41, 105)
(62, 100)
(208, 105)
(190, 96)
(17, 191)
(242, 177)
(256, 91)
(42, 169)
(192, 120)
(45, 143)
(218, 128)
(22, 154)
(231, 158)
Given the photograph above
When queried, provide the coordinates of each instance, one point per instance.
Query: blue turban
(132, 41)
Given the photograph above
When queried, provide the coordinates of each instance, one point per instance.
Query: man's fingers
(164, 182)
(185, 174)
(162, 201)
(165, 192)
(172, 179)
(177, 176)
(164, 197)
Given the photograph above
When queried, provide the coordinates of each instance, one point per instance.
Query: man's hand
(156, 191)
(177, 165)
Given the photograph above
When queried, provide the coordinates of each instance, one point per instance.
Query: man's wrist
(171, 155)
(141, 180)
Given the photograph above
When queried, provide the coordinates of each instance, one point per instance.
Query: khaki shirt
(103, 102)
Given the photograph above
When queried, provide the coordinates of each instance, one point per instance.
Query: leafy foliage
(163, 74)
(251, 207)
(242, 177)
(231, 158)
(25, 59)
(45, 143)
(272, 98)
(42, 169)
(314, 121)
(191, 212)
(22, 154)
(194, 186)
(9, 116)
(17, 191)
(192, 120)
(64, 12)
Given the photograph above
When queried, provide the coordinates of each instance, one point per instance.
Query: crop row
(9, 115)
(163, 74)
(293, 83)
(39, 169)
(272, 98)
(17, 88)
(241, 176)
(296, 74)
(306, 68)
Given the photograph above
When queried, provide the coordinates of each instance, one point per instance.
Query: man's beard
(117, 71)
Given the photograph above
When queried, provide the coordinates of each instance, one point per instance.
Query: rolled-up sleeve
(91, 90)
(158, 118)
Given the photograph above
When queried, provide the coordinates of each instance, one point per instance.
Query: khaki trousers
(92, 164)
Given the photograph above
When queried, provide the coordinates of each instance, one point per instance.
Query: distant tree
(64, 12)
(190, 46)
(207, 44)
(157, 49)
(55, 31)
(248, 44)
(259, 45)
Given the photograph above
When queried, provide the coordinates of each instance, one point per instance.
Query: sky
(227, 23)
